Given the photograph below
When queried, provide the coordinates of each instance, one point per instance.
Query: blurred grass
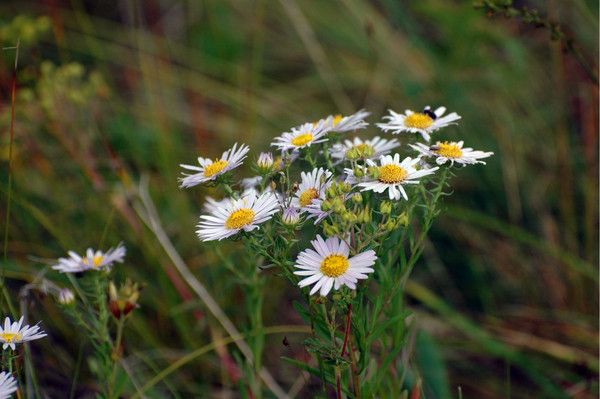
(511, 268)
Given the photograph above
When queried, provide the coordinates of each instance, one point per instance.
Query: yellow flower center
(96, 260)
(10, 337)
(308, 196)
(418, 121)
(302, 139)
(391, 173)
(215, 167)
(240, 218)
(334, 265)
(448, 150)
(336, 119)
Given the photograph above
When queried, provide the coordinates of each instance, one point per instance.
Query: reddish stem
(347, 334)
(339, 386)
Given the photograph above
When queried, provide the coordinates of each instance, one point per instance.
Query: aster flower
(210, 170)
(330, 266)
(367, 149)
(391, 175)
(444, 151)
(425, 122)
(8, 385)
(236, 215)
(65, 296)
(16, 333)
(290, 216)
(93, 260)
(302, 136)
(311, 192)
(341, 123)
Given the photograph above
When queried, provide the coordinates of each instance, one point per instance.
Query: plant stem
(115, 355)
(347, 334)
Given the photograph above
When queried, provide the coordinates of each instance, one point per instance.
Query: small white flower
(341, 123)
(210, 170)
(290, 216)
(8, 385)
(303, 136)
(331, 267)
(65, 296)
(234, 215)
(265, 161)
(93, 260)
(391, 175)
(425, 122)
(14, 333)
(367, 149)
(444, 151)
(311, 192)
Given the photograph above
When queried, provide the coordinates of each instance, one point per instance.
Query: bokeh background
(506, 293)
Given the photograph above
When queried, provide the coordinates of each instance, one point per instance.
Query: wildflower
(331, 267)
(65, 297)
(8, 385)
(235, 215)
(302, 136)
(265, 162)
(248, 183)
(425, 122)
(122, 301)
(359, 149)
(13, 333)
(341, 123)
(210, 170)
(290, 216)
(391, 175)
(93, 260)
(451, 151)
(311, 192)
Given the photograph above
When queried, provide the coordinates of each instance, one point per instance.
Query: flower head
(8, 385)
(348, 123)
(15, 333)
(303, 136)
(210, 170)
(65, 296)
(235, 215)
(451, 152)
(311, 192)
(330, 266)
(265, 162)
(425, 122)
(93, 260)
(391, 175)
(124, 299)
(290, 216)
(359, 149)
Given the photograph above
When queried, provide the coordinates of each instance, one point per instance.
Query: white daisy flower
(425, 122)
(444, 151)
(341, 123)
(237, 214)
(331, 267)
(8, 385)
(93, 260)
(210, 170)
(311, 191)
(14, 333)
(391, 175)
(367, 149)
(303, 136)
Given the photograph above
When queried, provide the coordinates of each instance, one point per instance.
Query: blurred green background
(507, 290)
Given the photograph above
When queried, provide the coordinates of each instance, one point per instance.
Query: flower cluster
(336, 174)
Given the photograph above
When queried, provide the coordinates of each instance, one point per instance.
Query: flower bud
(122, 301)
(66, 297)
(358, 172)
(290, 216)
(265, 162)
(357, 198)
(385, 207)
(402, 219)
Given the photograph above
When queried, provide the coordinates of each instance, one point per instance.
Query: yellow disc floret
(334, 265)
(448, 150)
(307, 196)
(240, 218)
(10, 337)
(302, 139)
(337, 119)
(391, 173)
(215, 167)
(418, 121)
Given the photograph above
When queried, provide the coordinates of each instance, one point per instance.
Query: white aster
(425, 122)
(210, 170)
(348, 123)
(367, 149)
(234, 215)
(93, 260)
(311, 192)
(8, 385)
(329, 265)
(303, 136)
(444, 151)
(391, 175)
(15, 333)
